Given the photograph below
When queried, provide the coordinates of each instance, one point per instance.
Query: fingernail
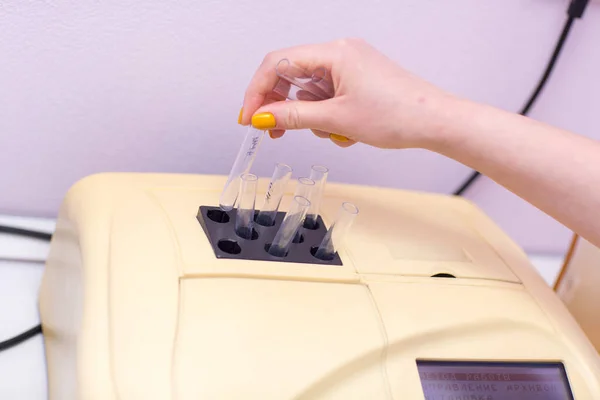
(240, 117)
(338, 138)
(264, 121)
(271, 134)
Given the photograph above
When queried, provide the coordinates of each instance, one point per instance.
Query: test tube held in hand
(275, 191)
(245, 212)
(296, 83)
(289, 227)
(337, 231)
(242, 164)
(318, 174)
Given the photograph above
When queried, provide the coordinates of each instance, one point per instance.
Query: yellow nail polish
(338, 138)
(264, 121)
(240, 117)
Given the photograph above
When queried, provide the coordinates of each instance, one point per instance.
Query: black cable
(11, 230)
(20, 338)
(559, 46)
(7, 344)
(576, 10)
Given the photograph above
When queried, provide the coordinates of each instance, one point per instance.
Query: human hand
(376, 102)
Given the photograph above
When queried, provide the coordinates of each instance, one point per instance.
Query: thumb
(296, 114)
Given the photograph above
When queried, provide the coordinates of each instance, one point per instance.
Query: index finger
(308, 57)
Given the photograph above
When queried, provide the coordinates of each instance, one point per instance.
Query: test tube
(337, 231)
(289, 227)
(318, 174)
(305, 188)
(244, 220)
(297, 83)
(279, 180)
(242, 164)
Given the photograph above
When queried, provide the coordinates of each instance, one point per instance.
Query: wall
(123, 85)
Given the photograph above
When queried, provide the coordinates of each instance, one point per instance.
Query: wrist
(473, 133)
(444, 126)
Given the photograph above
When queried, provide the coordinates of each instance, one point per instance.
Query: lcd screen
(466, 380)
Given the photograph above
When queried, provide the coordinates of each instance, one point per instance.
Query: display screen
(465, 380)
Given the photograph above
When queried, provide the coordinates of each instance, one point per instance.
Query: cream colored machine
(430, 300)
(578, 287)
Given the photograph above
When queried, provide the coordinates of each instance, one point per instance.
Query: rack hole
(268, 246)
(229, 246)
(299, 238)
(264, 221)
(243, 233)
(311, 225)
(328, 257)
(218, 216)
(443, 275)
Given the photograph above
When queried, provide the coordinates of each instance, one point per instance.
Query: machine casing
(578, 287)
(135, 305)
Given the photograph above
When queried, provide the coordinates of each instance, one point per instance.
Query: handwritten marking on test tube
(281, 176)
(254, 144)
(242, 164)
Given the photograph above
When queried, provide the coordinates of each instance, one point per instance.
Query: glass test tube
(296, 83)
(318, 174)
(337, 231)
(289, 227)
(305, 188)
(244, 220)
(242, 164)
(279, 180)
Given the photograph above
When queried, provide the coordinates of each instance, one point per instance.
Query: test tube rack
(219, 227)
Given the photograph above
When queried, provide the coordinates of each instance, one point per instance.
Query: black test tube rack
(219, 227)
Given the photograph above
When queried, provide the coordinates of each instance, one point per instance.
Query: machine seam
(180, 273)
(180, 302)
(384, 351)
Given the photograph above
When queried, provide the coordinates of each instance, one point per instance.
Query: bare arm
(555, 170)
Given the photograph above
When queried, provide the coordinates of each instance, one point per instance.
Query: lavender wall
(123, 85)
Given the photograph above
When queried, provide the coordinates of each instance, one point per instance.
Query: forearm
(556, 171)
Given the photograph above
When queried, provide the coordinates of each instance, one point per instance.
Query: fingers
(276, 133)
(320, 115)
(270, 98)
(342, 143)
(321, 134)
(264, 80)
(265, 110)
